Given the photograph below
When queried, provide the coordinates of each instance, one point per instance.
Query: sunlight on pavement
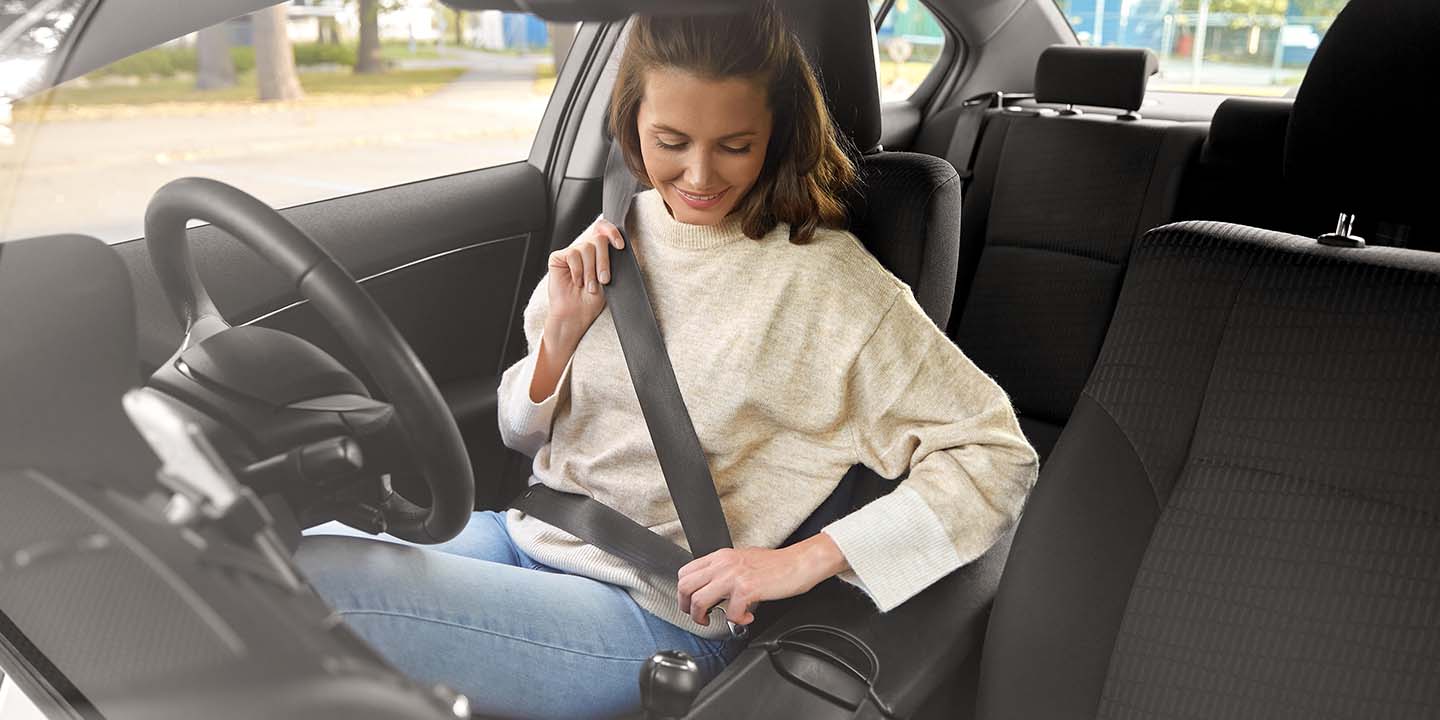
(92, 169)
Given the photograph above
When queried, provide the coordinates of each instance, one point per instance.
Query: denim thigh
(520, 639)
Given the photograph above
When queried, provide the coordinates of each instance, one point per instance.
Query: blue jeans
(520, 639)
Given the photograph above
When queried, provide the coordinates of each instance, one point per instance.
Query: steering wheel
(432, 442)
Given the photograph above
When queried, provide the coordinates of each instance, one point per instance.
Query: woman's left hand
(743, 577)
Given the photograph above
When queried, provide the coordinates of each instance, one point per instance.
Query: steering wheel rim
(430, 433)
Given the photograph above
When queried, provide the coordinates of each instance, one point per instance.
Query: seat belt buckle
(737, 631)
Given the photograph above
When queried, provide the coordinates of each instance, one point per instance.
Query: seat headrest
(1099, 77)
(1357, 137)
(1249, 133)
(839, 39)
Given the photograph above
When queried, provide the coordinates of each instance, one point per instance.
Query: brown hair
(806, 172)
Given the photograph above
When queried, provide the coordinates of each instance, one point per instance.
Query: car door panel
(444, 258)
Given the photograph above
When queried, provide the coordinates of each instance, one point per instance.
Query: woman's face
(703, 141)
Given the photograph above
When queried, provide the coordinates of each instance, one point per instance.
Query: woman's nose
(697, 171)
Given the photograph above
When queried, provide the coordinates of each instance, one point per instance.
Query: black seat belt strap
(605, 528)
(965, 139)
(677, 447)
(682, 461)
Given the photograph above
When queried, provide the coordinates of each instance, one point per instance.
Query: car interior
(1217, 318)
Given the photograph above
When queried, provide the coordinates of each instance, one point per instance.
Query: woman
(798, 356)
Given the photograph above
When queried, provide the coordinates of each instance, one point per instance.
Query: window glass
(911, 41)
(1230, 47)
(286, 103)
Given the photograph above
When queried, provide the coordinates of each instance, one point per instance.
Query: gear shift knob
(669, 682)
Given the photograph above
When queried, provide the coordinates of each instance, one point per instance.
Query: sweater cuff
(896, 546)
(525, 424)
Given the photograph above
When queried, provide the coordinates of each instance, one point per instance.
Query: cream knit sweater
(796, 362)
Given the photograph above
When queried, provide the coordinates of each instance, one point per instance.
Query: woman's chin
(686, 213)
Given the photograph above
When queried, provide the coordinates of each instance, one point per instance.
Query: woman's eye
(736, 150)
(667, 146)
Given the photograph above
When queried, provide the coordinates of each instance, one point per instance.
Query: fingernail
(590, 285)
(604, 276)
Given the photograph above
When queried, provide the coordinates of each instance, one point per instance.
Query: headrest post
(1070, 110)
(1130, 116)
(1342, 236)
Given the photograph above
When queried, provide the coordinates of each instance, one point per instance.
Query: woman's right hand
(577, 276)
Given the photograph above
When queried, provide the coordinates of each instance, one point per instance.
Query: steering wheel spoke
(221, 366)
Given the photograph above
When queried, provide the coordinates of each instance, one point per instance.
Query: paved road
(96, 175)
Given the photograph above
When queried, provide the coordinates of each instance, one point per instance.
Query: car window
(288, 104)
(911, 41)
(1228, 47)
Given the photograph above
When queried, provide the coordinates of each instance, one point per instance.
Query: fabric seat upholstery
(1055, 204)
(1242, 518)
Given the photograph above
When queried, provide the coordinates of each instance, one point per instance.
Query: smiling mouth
(699, 198)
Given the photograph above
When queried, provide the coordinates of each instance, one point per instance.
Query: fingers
(606, 237)
(587, 264)
(690, 582)
(610, 233)
(737, 608)
(704, 599)
(577, 267)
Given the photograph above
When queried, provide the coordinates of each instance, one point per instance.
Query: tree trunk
(459, 28)
(367, 60)
(274, 58)
(562, 36)
(214, 68)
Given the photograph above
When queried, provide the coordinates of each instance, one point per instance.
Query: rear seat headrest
(1099, 77)
(1356, 141)
(839, 40)
(1248, 133)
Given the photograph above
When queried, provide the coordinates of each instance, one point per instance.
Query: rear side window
(1226, 47)
(911, 42)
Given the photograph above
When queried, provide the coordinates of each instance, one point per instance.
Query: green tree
(1239, 7)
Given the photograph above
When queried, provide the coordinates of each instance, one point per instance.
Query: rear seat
(1240, 178)
(1053, 207)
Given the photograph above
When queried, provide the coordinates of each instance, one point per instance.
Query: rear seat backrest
(1054, 206)
(1239, 177)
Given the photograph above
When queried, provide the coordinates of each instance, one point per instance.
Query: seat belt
(965, 139)
(677, 447)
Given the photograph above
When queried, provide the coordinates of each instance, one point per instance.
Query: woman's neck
(661, 226)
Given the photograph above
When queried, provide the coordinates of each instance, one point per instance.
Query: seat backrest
(907, 207)
(1054, 206)
(1239, 175)
(1242, 519)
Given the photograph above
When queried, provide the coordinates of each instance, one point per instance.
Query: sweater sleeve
(524, 424)
(918, 404)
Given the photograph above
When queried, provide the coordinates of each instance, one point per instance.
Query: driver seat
(1242, 517)
(805, 652)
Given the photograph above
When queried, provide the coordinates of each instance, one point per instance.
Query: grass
(391, 50)
(182, 89)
